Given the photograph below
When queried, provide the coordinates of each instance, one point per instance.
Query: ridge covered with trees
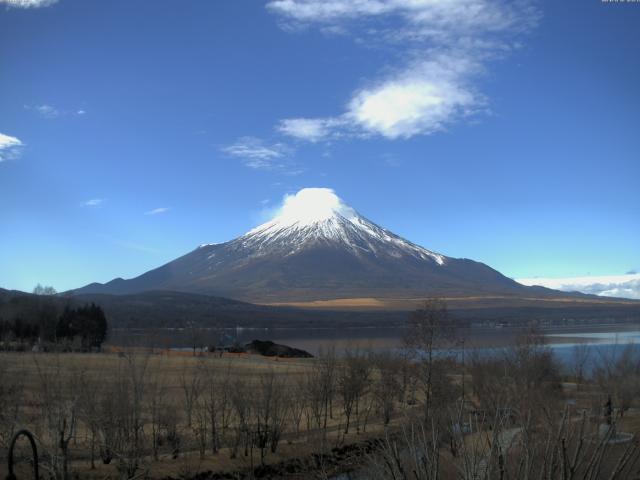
(41, 319)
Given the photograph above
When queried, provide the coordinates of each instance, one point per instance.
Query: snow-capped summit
(318, 215)
(317, 248)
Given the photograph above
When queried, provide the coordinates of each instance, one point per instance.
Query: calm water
(604, 340)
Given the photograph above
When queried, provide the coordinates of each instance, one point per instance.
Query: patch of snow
(319, 215)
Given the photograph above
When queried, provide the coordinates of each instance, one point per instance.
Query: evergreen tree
(88, 323)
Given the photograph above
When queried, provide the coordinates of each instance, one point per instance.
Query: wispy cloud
(257, 154)
(45, 111)
(621, 286)
(10, 147)
(28, 3)
(51, 112)
(310, 129)
(441, 48)
(157, 211)
(93, 202)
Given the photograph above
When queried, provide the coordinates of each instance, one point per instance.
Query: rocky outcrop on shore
(269, 349)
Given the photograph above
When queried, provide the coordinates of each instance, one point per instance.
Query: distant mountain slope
(318, 248)
(177, 309)
(158, 309)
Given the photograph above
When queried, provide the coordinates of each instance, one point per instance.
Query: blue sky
(131, 132)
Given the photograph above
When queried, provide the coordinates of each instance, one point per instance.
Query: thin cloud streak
(28, 3)
(157, 211)
(50, 112)
(94, 202)
(257, 154)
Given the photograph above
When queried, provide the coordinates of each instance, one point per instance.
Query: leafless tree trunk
(128, 391)
(297, 402)
(618, 374)
(580, 357)
(200, 428)
(191, 383)
(89, 409)
(353, 379)
(59, 405)
(269, 413)
(156, 404)
(429, 329)
(240, 401)
(386, 385)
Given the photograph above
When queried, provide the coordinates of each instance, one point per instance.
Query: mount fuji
(316, 249)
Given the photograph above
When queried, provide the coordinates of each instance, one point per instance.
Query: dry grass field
(136, 413)
(51, 389)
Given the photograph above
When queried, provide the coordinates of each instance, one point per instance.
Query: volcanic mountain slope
(318, 248)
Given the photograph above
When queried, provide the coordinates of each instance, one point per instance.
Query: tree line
(39, 319)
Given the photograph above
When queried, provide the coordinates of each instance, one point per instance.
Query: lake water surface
(602, 339)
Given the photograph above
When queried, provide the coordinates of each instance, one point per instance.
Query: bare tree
(386, 385)
(353, 378)
(200, 427)
(195, 336)
(297, 402)
(327, 364)
(58, 405)
(169, 421)
(240, 401)
(492, 447)
(191, 383)
(268, 413)
(128, 392)
(156, 404)
(524, 379)
(44, 290)
(217, 400)
(430, 332)
(89, 409)
(580, 354)
(618, 374)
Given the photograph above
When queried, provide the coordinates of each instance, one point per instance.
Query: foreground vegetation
(423, 413)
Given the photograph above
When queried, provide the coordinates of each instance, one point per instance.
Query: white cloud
(443, 46)
(10, 147)
(157, 211)
(255, 153)
(28, 3)
(310, 205)
(422, 100)
(94, 202)
(623, 286)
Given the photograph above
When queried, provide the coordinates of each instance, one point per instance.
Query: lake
(604, 339)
